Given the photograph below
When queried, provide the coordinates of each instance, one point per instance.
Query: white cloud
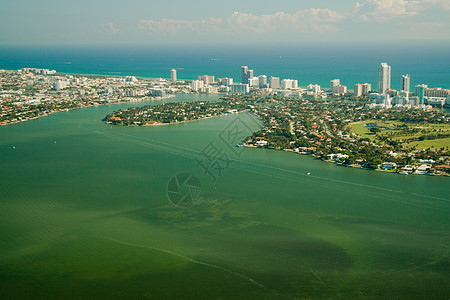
(379, 10)
(387, 19)
(108, 28)
(317, 20)
(444, 4)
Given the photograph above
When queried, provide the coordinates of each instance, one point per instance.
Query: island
(342, 130)
(173, 112)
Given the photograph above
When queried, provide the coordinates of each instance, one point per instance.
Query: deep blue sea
(427, 63)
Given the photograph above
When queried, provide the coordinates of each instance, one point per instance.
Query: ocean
(318, 64)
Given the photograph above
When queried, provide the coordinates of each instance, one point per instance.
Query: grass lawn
(361, 130)
(436, 144)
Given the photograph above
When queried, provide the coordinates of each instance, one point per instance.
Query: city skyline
(140, 22)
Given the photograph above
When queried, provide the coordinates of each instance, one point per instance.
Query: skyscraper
(274, 82)
(173, 75)
(253, 82)
(384, 78)
(262, 81)
(246, 74)
(334, 82)
(405, 83)
(358, 89)
(420, 92)
(287, 84)
(239, 88)
(366, 88)
(207, 79)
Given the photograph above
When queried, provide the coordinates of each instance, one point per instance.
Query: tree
(372, 163)
(375, 129)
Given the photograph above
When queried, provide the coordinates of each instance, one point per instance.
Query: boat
(309, 173)
(403, 173)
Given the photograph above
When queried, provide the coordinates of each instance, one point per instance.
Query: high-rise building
(253, 82)
(420, 92)
(274, 82)
(262, 81)
(246, 74)
(173, 75)
(287, 84)
(244, 71)
(313, 88)
(197, 85)
(334, 82)
(366, 88)
(384, 78)
(227, 81)
(436, 92)
(358, 89)
(405, 83)
(207, 79)
(340, 90)
(240, 88)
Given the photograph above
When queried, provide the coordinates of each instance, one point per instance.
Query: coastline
(76, 108)
(174, 123)
(140, 117)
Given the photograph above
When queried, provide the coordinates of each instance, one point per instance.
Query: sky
(171, 22)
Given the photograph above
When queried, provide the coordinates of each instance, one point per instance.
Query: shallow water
(85, 214)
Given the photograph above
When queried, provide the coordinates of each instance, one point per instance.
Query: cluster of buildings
(249, 83)
(423, 97)
(25, 88)
(383, 97)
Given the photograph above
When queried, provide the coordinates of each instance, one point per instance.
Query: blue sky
(148, 22)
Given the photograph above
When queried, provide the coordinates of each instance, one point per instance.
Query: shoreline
(337, 163)
(174, 123)
(70, 109)
(110, 74)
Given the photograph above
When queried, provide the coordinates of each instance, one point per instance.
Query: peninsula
(341, 130)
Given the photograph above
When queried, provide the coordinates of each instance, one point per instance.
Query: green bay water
(85, 215)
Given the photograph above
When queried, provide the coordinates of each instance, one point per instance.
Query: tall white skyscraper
(405, 83)
(334, 82)
(384, 78)
(173, 75)
(274, 82)
(253, 82)
(207, 79)
(262, 80)
(287, 84)
(197, 85)
(367, 87)
(358, 90)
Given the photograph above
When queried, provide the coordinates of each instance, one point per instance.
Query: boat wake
(189, 260)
